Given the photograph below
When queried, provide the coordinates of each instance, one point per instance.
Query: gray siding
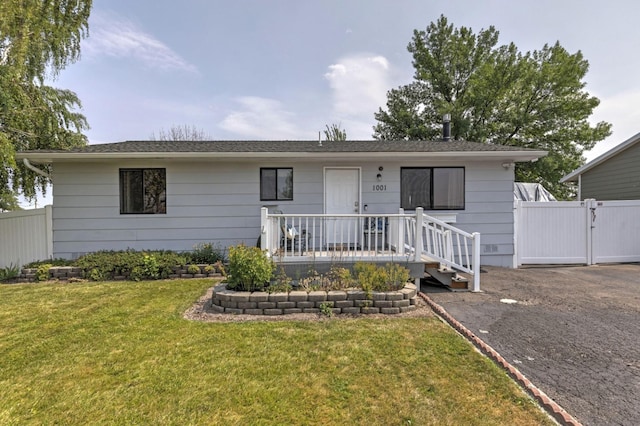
(220, 202)
(617, 178)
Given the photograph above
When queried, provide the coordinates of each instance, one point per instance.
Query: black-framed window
(432, 188)
(143, 191)
(276, 184)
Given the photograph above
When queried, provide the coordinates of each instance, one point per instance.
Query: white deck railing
(452, 247)
(370, 237)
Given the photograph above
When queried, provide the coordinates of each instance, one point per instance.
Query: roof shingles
(290, 146)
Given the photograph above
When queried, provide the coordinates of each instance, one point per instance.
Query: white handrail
(371, 237)
(450, 246)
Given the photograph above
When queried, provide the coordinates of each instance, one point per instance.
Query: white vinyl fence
(25, 236)
(577, 232)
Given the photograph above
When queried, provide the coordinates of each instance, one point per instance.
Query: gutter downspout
(33, 168)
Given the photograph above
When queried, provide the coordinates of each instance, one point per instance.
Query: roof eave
(52, 157)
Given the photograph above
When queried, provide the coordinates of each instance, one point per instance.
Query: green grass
(121, 353)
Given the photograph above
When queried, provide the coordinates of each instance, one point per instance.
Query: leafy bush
(381, 278)
(193, 269)
(219, 268)
(52, 262)
(42, 273)
(397, 276)
(9, 272)
(206, 253)
(340, 278)
(103, 265)
(249, 269)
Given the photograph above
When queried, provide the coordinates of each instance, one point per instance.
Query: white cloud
(118, 37)
(622, 112)
(260, 118)
(359, 85)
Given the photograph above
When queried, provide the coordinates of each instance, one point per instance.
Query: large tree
(38, 38)
(499, 95)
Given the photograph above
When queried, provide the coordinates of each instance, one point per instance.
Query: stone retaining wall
(294, 302)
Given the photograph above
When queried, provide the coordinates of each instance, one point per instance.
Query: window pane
(267, 184)
(131, 190)
(143, 191)
(155, 194)
(448, 188)
(415, 188)
(285, 184)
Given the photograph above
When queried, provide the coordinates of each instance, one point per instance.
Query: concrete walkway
(573, 331)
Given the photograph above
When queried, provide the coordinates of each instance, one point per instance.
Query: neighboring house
(615, 175)
(173, 195)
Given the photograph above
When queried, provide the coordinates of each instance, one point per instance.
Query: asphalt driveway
(573, 331)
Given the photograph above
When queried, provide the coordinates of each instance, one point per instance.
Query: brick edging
(552, 407)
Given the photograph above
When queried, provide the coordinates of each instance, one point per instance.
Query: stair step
(459, 282)
(446, 276)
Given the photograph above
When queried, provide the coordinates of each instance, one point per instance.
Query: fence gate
(577, 232)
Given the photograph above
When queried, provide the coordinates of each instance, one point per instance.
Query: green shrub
(340, 278)
(103, 265)
(249, 269)
(167, 260)
(397, 276)
(390, 277)
(52, 262)
(42, 273)
(370, 277)
(95, 274)
(9, 272)
(207, 253)
(193, 269)
(219, 267)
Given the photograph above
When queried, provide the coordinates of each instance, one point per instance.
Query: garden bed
(350, 301)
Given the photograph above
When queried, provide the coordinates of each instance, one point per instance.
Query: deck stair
(448, 277)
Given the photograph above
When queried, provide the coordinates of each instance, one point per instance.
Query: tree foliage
(335, 133)
(38, 38)
(499, 95)
(181, 132)
(8, 202)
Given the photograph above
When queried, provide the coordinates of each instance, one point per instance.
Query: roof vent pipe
(446, 127)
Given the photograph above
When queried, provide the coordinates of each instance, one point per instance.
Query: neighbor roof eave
(573, 176)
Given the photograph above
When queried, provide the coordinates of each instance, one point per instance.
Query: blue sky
(283, 69)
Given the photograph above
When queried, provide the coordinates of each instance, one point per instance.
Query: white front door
(342, 196)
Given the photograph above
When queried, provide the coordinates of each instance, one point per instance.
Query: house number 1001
(379, 187)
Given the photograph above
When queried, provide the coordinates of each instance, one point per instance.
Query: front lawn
(121, 353)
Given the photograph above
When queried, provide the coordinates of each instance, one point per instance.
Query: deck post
(264, 230)
(476, 262)
(401, 226)
(418, 237)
